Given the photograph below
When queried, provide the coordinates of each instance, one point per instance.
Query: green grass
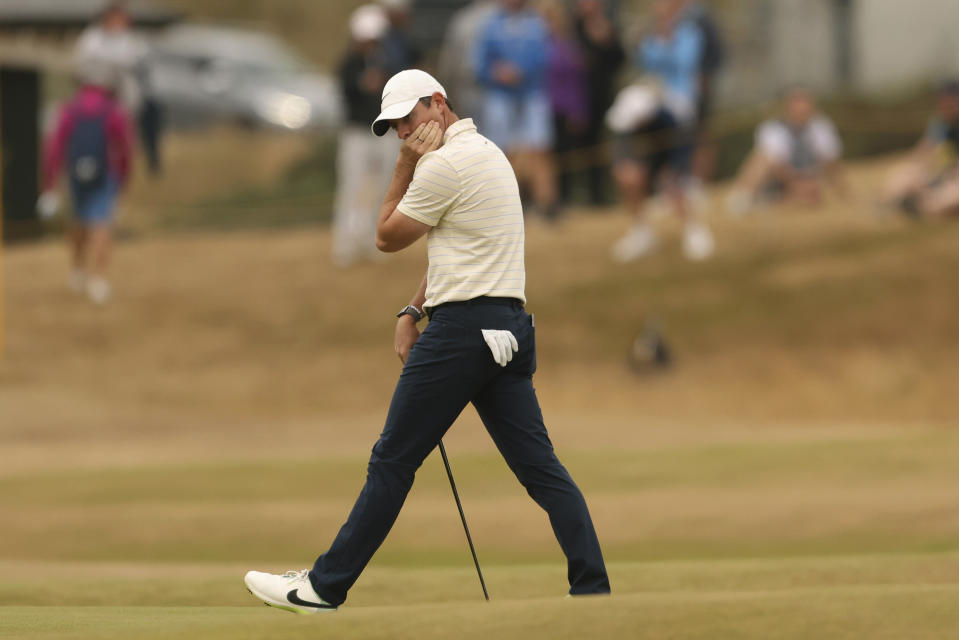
(856, 597)
(825, 536)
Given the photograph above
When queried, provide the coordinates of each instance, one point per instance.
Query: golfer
(457, 187)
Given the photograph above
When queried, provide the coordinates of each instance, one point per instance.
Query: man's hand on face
(425, 138)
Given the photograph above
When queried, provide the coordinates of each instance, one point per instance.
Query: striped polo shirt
(467, 192)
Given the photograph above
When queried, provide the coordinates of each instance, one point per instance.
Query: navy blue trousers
(449, 367)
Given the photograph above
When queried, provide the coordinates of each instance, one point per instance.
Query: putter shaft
(459, 505)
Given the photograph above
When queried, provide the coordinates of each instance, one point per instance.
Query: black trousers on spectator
(449, 367)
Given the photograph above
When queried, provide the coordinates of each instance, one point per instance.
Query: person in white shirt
(457, 187)
(111, 41)
(794, 158)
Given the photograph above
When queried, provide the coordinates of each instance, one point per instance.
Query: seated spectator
(794, 157)
(927, 183)
(654, 123)
(510, 62)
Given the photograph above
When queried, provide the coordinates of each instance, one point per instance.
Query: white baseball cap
(400, 95)
(368, 22)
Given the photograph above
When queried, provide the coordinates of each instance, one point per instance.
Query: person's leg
(101, 243)
(534, 129)
(805, 190)
(905, 179)
(351, 172)
(78, 246)
(595, 161)
(942, 200)
(756, 172)
(511, 413)
(499, 114)
(632, 180)
(562, 148)
(77, 240)
(439, 379)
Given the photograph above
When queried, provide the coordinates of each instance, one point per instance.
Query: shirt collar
(460, 126)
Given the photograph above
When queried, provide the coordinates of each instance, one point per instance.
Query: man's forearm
(419, 298)
(402, 176)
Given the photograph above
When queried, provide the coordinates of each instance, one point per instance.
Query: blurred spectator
(927, 183)
(399, 50)
(511, 64)
(711, 61)
(604, 56)
(456, 69)
(93, 141)
(655, 126)
(672, 53)
(567, 85)
(794, 155)
(110, 41)
(364, 163)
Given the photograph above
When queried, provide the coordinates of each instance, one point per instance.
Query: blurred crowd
(585, 113)
(577, 106)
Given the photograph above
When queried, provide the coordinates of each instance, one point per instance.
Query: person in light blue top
(511, 53)
(510, 61)
(655, 151)
(673, 53)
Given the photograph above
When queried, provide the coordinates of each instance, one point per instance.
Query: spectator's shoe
(738, 202)
(291, 592)
(77, 281)
(639, 241)
(98, 290)
(698, 243)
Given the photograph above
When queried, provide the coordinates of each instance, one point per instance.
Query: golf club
(459, 505)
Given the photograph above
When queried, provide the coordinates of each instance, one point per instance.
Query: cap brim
(393, 112)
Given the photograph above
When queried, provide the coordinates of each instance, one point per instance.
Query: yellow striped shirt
(467, 192)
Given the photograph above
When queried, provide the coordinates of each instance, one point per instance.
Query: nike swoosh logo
(294, 599)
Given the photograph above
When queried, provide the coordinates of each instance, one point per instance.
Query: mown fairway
(794, 475)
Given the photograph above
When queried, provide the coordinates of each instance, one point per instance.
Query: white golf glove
(502, 343)
(48, 204)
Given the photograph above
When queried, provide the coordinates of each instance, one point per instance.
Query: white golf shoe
(291, 591)
(698, 242)
(637, 242)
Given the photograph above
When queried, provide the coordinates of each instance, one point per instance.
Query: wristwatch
(410, 310)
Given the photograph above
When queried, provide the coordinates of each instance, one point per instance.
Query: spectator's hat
(368, 22)
(400, 95)
(634, 106)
